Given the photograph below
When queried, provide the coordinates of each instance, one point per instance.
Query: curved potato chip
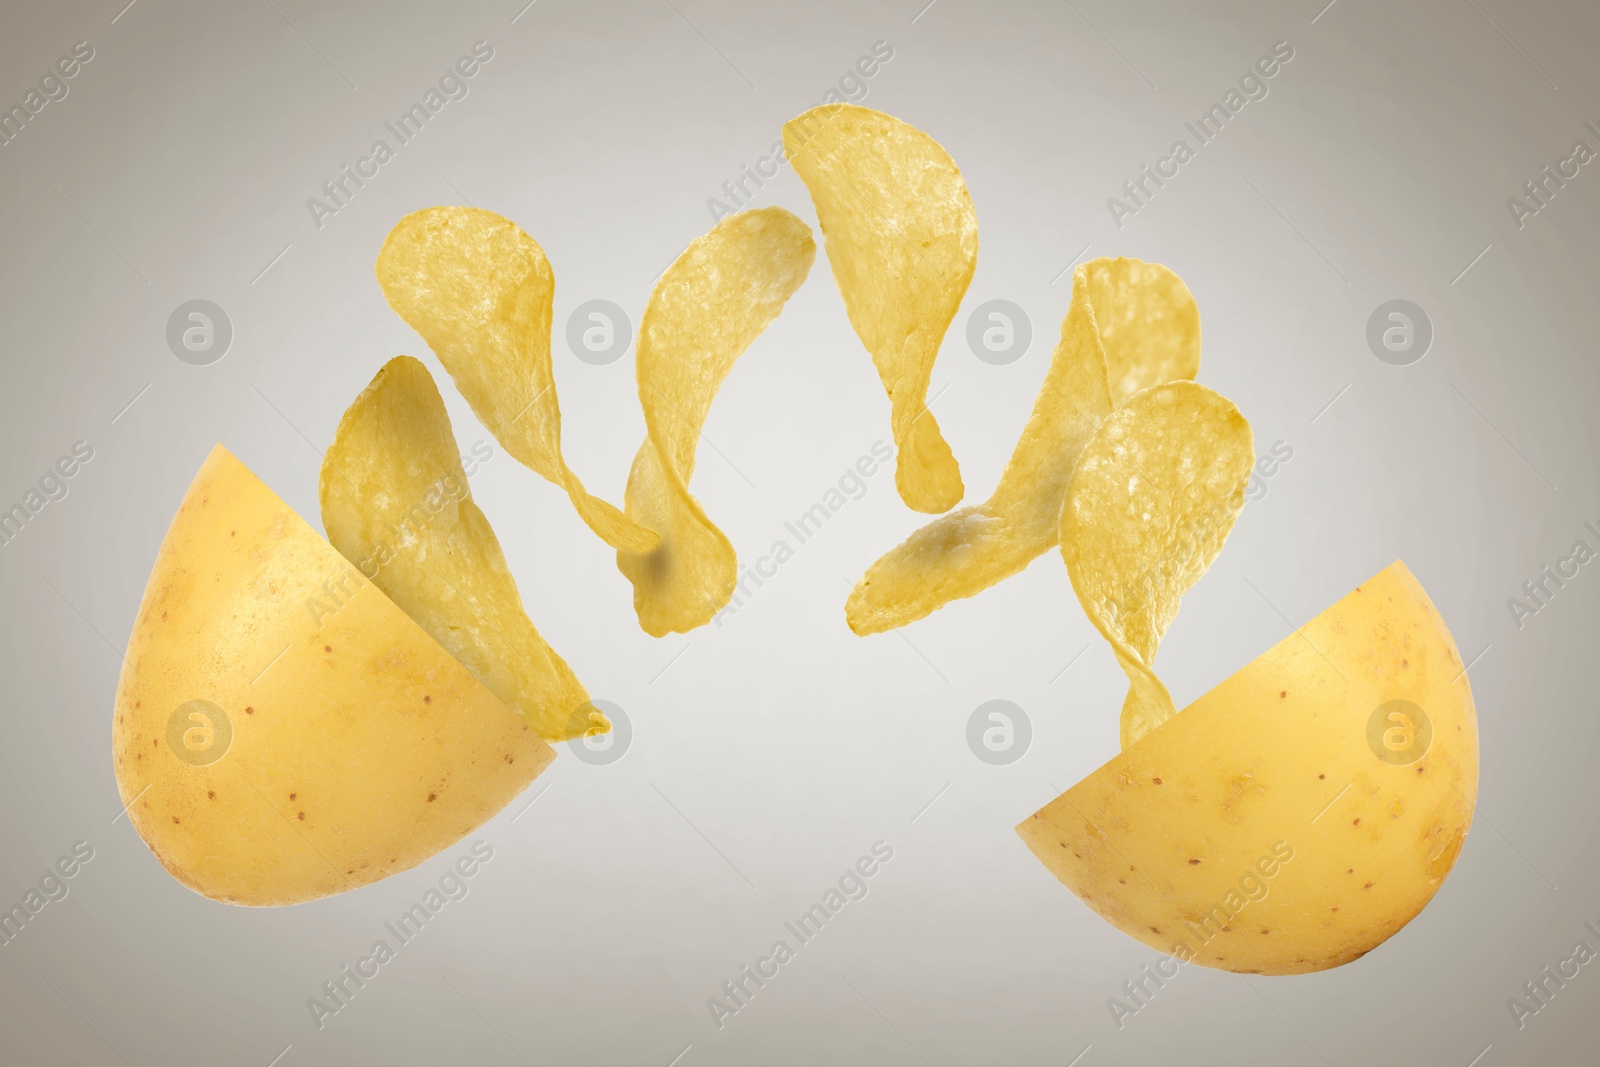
(396, 504)
(715, 299)
(1150, 503)
(479, 291)
(1148, 322)
(1130, 321)
(902, 238)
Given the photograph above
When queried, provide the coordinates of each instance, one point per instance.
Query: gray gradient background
(770, 753)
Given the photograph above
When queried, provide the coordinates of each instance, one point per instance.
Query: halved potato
(283, 731)
(1296, 816)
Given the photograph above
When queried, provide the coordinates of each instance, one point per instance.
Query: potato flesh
(1157, 838)
(360, 747)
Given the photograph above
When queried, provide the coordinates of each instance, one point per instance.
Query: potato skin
(360, 751)
(1259, 831)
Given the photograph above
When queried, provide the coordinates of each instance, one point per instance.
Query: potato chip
(396, 504)
(902, 238)
(1150, 503)
(1148, 321)
(1133, 319)
(479, 291)
(706, 309)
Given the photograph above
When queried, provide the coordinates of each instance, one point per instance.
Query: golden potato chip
(1129, 321)
(1151, 502)
(479, 291)
(396, 504)
(902, 238)
(1148, 322)
(706, 309)
(965, 552)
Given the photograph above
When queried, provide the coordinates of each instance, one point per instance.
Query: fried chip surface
(902, 239)
(479, 290)
(1129, 322)
(708, 306)
(1149, 324)
(396, 504)
(1153, 498)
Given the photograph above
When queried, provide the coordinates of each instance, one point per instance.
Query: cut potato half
(1299, 814)
(269, 751)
